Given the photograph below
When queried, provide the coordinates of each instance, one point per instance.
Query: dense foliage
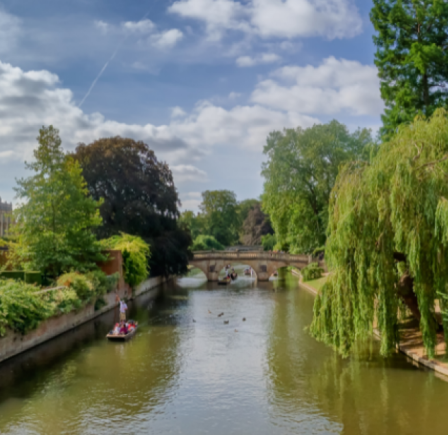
(55, 223)
(90, 285)
(300, 172)
(411, 57)
(206, 243)
(23, 306)
(20, 308)
(268, 242)
(219, 209)
(388, 240)
(136, 253)
(228, 221)
(139, 198)
(312, 271)
(195, 223)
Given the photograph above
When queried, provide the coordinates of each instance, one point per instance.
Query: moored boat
(225, 281)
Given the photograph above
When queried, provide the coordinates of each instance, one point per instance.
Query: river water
(186, 372)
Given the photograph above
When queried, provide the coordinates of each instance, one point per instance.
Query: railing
(260, 255)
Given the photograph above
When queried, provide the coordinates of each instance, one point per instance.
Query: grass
(317, 283)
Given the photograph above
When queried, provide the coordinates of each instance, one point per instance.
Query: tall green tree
(300, 171)
(412, 58)
(220, 211)
(388, 240)
(55, 223)
(194, 222)
(140, 198)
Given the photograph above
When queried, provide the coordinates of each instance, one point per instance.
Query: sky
(202, 82)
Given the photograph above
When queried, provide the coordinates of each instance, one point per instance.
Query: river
(186, 372)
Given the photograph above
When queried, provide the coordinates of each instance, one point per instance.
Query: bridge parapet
(262, 255)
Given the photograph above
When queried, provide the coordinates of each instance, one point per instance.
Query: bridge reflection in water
(263, 263)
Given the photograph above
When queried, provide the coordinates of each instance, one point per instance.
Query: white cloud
(190, 204)
(329, 88)
(102, 26)
(291, 18)
(234, 95)
(194, 194)
(167, 39)
(264, 58)
(178, 112)
(9, 31)
(274, 18)
(4, 155)
(31, 99)
(140, 27)
(184, 173)
(191, 200)
(218, 15)
(246, 126)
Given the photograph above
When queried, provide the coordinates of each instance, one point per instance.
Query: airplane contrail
(97, 77)
(110, 59)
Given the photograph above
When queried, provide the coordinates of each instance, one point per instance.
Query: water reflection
(188, 372)
(363, 394)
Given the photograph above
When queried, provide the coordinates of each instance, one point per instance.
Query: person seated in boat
(116, 329)
(131, 325)
(123, 328)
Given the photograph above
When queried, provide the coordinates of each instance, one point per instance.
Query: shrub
(81, 284)
(21, 308)
(136, 253)
(206, 243)
(62, 301)
(312, 271)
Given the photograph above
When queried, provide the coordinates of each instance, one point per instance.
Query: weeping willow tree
(388, 240)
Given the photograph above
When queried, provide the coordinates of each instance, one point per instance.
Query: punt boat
(122, 337)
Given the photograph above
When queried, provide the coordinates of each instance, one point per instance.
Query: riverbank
(14, 343)
(411, 340)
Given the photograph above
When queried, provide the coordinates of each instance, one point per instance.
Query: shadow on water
(21, 375)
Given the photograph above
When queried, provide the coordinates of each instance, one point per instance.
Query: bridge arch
(240, 263)
(263, 263)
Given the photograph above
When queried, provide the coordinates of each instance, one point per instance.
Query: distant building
(5, 217)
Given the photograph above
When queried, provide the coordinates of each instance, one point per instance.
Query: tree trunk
(406, 294)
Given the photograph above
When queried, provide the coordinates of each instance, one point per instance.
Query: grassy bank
(317, 284)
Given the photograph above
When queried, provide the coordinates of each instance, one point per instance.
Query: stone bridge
(263, 263)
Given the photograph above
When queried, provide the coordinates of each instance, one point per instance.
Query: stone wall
(15, 343)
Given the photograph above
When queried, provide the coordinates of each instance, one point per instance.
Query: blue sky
(201, 81)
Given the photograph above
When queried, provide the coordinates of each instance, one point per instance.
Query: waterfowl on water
(244, 319)
(226, 322)
(222, 314)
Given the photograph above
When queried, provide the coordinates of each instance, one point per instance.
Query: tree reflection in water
(363, 394)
